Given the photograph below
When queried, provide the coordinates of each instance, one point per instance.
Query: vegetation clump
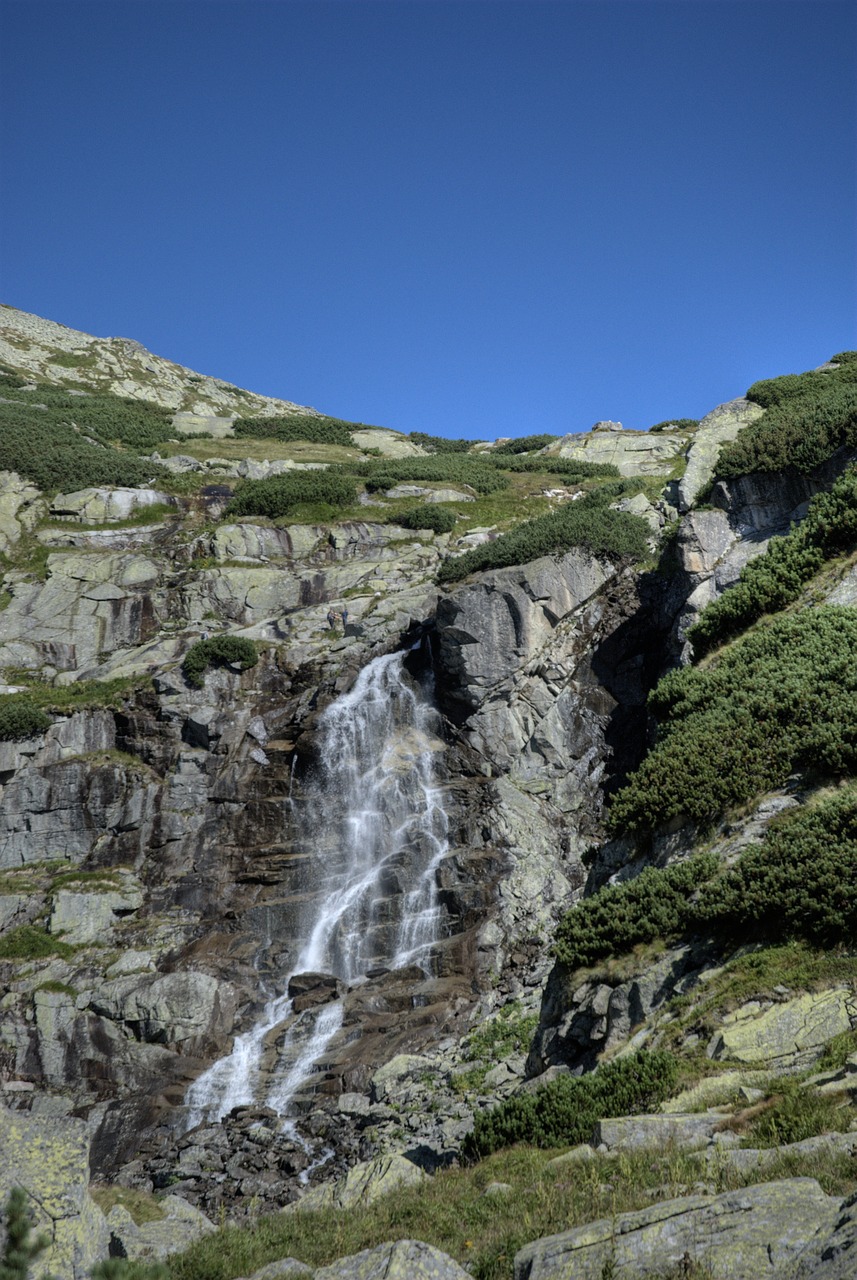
(564, 1112)
(279, 496)
(29, 942)
(435, 517)
(437, 444)
(656, 904)
(782, 697)
(800, 883)
(675, 424)
(218, 651)
(525, 444)
(20, 718)
(774, 580)
(287, 427)
(808, 416)
(588, 523)
(385, 473)
(569, 468)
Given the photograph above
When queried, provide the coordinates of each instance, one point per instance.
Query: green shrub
(280, 495)
(564, 1112)
(774, 580)
(218, 651)
(569, 468)
(525, 444)
(437, 518)
(288, 427)
(443, 468)
(588, 523)
(20, 718)
(844, 357)
(61, 441)
(438, 444)
(782, 697)
(801, 882)
(656, 904)
(808, 416)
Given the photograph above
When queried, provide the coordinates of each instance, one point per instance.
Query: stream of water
(373, 824)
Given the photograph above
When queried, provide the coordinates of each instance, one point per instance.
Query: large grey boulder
(399, 1260)
(178, 1228)
(741, 1235)
(362, 1185)
(21, 508)
(171, 1008)
(832, 1255)
(635, 453)
(107, 504)
(791, 1034)
(49, 1158)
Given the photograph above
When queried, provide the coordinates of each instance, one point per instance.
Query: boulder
(390, 443)
(172, 1008)
(832, 1255)
(741, 1235)
(722, 424)
(180, 1225)
(95, 505)
(21, 508)
(635, 453)
(635, 1133)
(49, 1158)
(791, 1034)
(83, 917)
(398, 1260)
(362, 1185)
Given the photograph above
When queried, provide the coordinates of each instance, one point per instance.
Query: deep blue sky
(472, 218)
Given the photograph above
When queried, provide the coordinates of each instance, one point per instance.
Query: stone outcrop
(715, 429)
(741, 1235)
(49, 1158)
(401, 1260)
(633, 452)
(791, 1034)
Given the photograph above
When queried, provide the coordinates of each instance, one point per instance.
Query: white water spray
(374, 824)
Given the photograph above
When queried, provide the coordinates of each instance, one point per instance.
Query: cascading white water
(374, 826)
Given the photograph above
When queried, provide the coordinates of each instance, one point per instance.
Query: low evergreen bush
(438, 444)
(435, 517)
(452, 468)
(564, 1112)
(218, 651)
(524, 444)
(801, 882)
(655, 904)
(278, 496)
(569, 468)
(781, 698)
(588, 523)
(774, 580)
(20, 718)
(288, 427)
(808, 416)
(22, 1248)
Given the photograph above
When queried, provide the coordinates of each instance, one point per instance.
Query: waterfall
(373, 825)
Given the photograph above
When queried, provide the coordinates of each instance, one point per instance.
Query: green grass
(142, 1206)
(483, 1233)
(29, 942)
(81, 695)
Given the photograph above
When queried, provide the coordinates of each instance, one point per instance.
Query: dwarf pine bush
(288, 427)
(437, 518)
(20, 718)
(564, 1112)
(808, 416)
(449, 468)
(774, 580)
(782, 697)
(588, 523)
(218, 651)
(524, 444)
(655, 904)
(278, 496)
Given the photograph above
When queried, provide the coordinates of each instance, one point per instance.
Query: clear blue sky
(472, 217)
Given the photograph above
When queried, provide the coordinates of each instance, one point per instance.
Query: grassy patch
(29, 942)
(142, 1206)
(82, 695)
(792, 1113)
(481, 1232)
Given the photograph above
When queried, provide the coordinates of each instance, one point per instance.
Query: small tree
(21, 1248)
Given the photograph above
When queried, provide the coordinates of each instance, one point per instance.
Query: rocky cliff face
(151, 873)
